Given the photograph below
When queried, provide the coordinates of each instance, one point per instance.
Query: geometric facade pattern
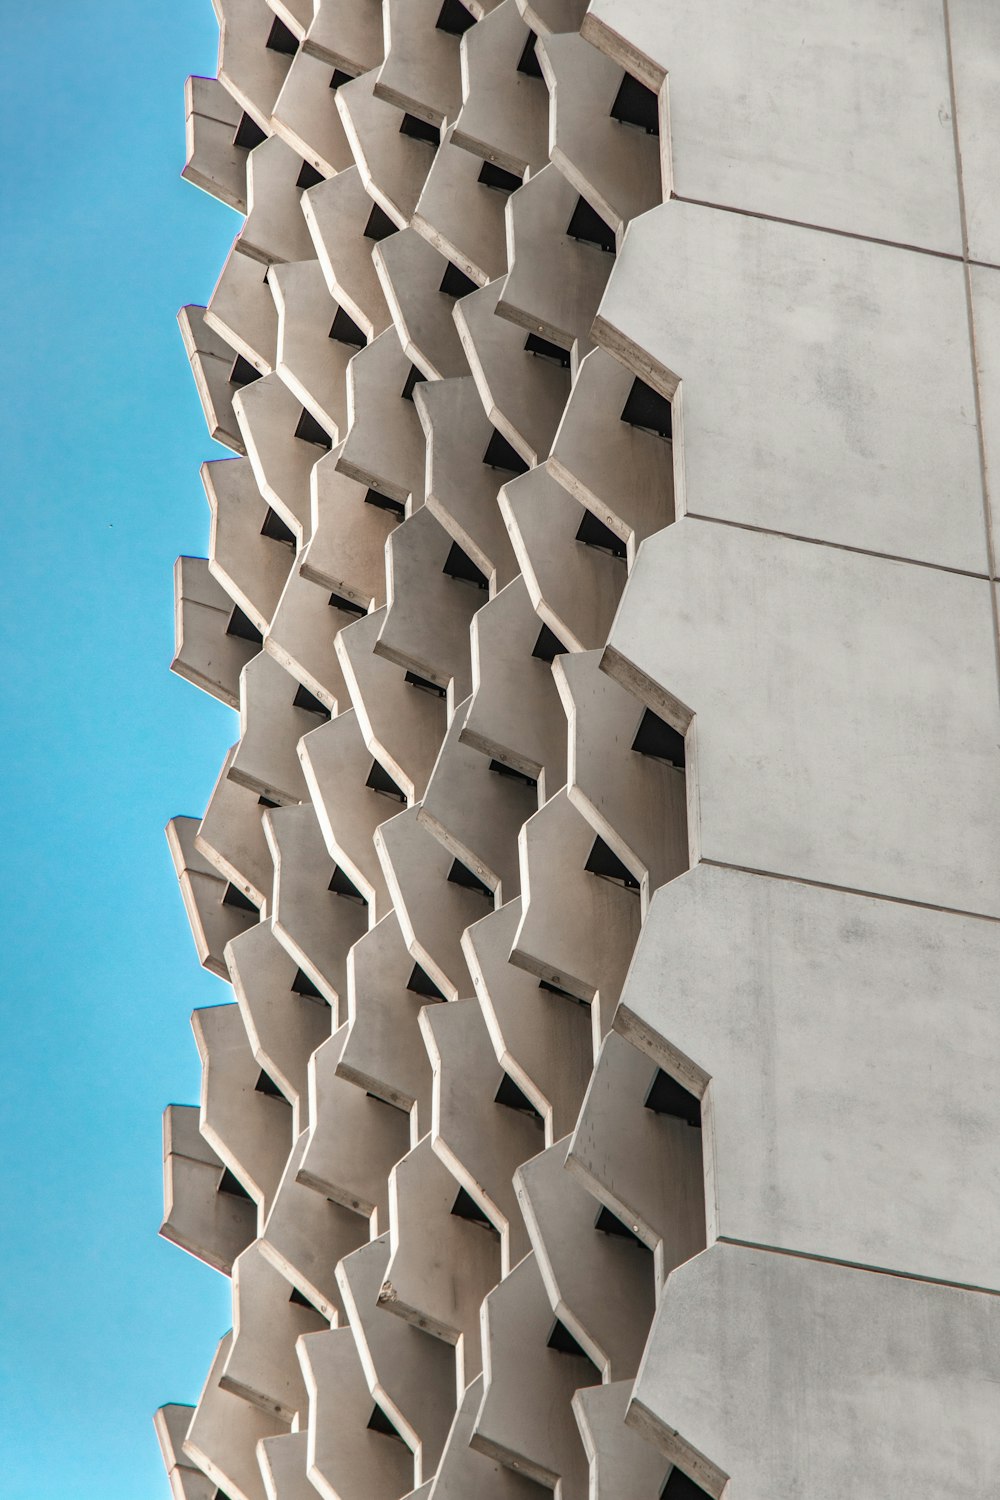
(606, 870)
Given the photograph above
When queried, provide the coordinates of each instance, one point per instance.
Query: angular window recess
(609, 1223)
(501, 455)
(242, 627)
(220, 1495)
(379, 1422)
(659, 740)
(548, 646)
(266, 1085)
(635, 104)
(492, 176)
(455, 283)
(309, 430)
(593, 533)
(587, 225)
(499, 769)
(459, 564)
(341, 884)
(420, 130)
(384, 502)
(562, 1340)
(509, 1095)
(414, 378)
(420, 983)
(545, 349)
(275, 528)
(299, 1300)
(668, 1097)
(460, 874)
(454, 18)
(248, 134)
(281, 39)
(347, 606)
(379, 226)
(528, 63)
(266, 802)
(605, 863)
(465, 1207)
(346, 331)
(303, 985)
(424, 685)
(243, 372)
(308, 176)
(232, 1185)
(339, 77)
(307, 700)
(680, 1487)
(235, 897)
(648, 409)
(379, 780)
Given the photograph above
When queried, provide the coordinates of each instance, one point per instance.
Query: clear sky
(101, 435)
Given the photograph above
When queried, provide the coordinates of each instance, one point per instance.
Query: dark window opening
(275, 528)
(420, 983)
(379, 225)
(593, 533)
(385, 502)
(425, 685)
(588, 226)
(243, 628)
(242, 372)
(379, 1422)
(659, 740)
(605, 863)
(454, 18)
(309, 430)
(503, 455)
(307, 700)
(563, 1341)
(528, 63)
(266, 802)
(308, 176)
(346, 331)
(414, 378)
(609, 1223)
(347, 606)
(341, 884)
(299, 1300)
(511, 1097)
(466, 1207)
(236, 898)
(281, 39)
(460, 874)
(339, 77)
(680, 1487)
(648, 409)
(380, 781)
(303, 985)
(635, 104)
(420, 130)
(266, 1085)
(668, 1097)
(455, 283)
(248, 133)
(499, 769)
(459, 565)
(492, 176)
(548, 646)
(545, 349)
(231, 1184)
(553, 989)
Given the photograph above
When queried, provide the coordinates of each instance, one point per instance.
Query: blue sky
(101, 436)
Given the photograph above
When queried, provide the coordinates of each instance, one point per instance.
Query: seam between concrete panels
(857, 1265)
(816, 541)
(849, 890)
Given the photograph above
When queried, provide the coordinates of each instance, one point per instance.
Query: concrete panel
(224, 1432)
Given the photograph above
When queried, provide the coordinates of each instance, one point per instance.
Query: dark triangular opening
(528, 63)
(303, 985)
(379, 1422)
(310, 431)
(420, 983)
(459, 565)
(587, 225)
(346, 331)
(339, 77)
(299, 1300)
(454, 18)
(465, 1207)
(308, 176)
(593, 533)
(413, 378)
(347, 606)
(248, 134)
(563, 1341)
(605, 862)
(680, 1487)
(460, 874)
(609, 1223)
(307, 700)
(455, 283)
(668, 1097)
(646, 408)
(425, 685)
(548, 646)
(379, 780)
(341, 884)
(635, 104)
(499, 769)
(492, 176)
(229, 1183)
(420, 130)
(379, 225)
(243, 628)
(545, 349)
(275, 528)
(509, 1095)
(266, 1085)
(281, 39)
(242, 372)
(502, 455)
(235, 897)
(385, 502)
(659, 740)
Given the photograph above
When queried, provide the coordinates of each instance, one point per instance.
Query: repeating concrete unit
(606, 868)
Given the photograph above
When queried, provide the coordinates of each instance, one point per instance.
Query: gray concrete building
(606, 871)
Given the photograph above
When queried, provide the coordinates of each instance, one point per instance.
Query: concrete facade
(606, 870)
